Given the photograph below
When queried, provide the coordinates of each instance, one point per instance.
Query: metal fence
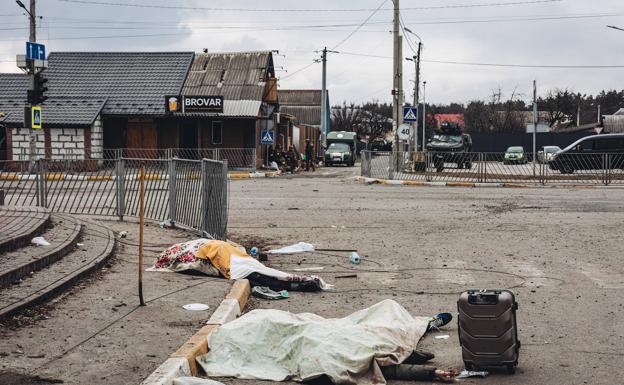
(189, 193)
(240, 159)
(484, 167)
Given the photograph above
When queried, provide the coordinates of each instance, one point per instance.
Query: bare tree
(346, 118)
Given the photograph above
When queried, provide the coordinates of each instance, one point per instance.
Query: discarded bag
(40, 241)
(300, 247)
(267, 293)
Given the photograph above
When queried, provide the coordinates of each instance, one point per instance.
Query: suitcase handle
(483, 298)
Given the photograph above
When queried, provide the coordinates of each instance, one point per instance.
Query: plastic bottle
(355, 258)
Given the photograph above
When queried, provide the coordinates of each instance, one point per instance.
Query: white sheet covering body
(278, 346)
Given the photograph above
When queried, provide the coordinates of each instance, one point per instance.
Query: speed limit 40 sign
(405, 131)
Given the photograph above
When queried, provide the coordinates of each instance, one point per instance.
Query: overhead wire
(359, 26)
(555, 66)
(275, 10)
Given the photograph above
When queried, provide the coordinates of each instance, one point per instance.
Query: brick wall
(97, 140)
(63, 142)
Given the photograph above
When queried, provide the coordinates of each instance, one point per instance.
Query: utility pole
(33, 25)
(397, 80)
(534, 122)
(416, 98)
(324, 99)
(33, 39)
(424, 117)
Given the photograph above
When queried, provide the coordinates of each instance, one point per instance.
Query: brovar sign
(203, 103)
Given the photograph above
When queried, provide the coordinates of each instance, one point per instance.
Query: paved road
(558, 249)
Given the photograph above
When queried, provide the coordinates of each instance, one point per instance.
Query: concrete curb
(182, 362)
(470, 184)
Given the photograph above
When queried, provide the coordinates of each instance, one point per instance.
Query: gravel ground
(96, 333)
(558, 249)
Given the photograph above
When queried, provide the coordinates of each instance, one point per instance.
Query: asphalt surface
(558, 249)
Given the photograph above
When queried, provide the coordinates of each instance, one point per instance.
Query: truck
(341, 148)
(450, 145)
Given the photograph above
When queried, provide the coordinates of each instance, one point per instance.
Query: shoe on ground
(439, 320)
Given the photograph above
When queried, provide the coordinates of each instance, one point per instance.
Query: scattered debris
(40, 241)
(469, 374)
(267, 293)
(196, 307)
(36, 356)
(300, 247)
(123, 234)
(317, 268)
(355, 258)
(442, 337)
(347, 276)
(166, 224)
(253, 251)
(79, 244)
(195, 381)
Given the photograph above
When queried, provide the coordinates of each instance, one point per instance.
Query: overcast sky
(569, 32)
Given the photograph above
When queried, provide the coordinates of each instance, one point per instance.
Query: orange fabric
(218, 253)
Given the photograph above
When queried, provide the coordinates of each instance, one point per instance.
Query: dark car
(450, 148)
(591, 153)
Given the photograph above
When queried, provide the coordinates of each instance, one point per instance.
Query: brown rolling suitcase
(488, 333)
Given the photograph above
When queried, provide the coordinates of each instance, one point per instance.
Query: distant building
(304, 106)
(614, 123)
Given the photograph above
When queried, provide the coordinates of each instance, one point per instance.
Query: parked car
(515, 154)
(591, 153)
(547, 153)
(339, 153)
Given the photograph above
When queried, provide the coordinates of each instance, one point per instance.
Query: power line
(554, 66)
(299, 70)
(359, 26)
(183, 7)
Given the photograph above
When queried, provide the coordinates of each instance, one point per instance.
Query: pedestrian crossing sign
(267, 137)
(410, 114)
(35, 118)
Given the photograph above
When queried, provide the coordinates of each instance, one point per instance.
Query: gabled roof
(300, 97)
(239, 77)
(304, 105)
(57, 112)
(134, 83)
(13, 85)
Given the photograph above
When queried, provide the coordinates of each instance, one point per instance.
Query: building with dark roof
(246, 82)
(109, 100)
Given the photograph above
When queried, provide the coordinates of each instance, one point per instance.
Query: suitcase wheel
(511, 368)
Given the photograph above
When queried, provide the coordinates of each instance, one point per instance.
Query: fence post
(224, 209)
(41, 183)
(253, 159)
(391, 166)
(485, 155)
(173, 193)
(216, 154)
(606, 162)
(120, 179)
(204, 197)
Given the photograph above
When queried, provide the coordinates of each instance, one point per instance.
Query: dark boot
(419, 357)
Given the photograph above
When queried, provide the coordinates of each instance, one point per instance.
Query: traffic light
(36, 92)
